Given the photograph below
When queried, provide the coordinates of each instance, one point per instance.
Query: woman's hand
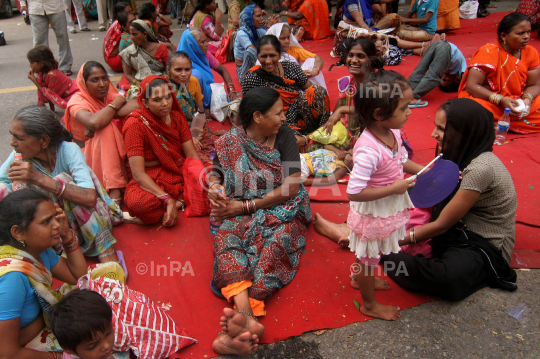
(196, 143)
(217, 196)
(311, 73)
(332, 120)
(171, 216)
(65, 232)
(349, 160)
(401, 186)
(232, 95)
(301, 140)
(88, 133)
(23, 172)
(233, 209)
(31, 76)
(507, 102)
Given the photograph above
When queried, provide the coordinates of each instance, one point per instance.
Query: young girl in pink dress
(377, 189)
(54, 87)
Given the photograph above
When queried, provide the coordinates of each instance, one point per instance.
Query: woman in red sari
(501, 72)
(312, 15)
(113, 37)
(158, 141)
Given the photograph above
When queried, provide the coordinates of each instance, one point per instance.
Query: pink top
(374, 164)
(214, 63)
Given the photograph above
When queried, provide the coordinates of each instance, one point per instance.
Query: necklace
(392, 148)
(265, 142)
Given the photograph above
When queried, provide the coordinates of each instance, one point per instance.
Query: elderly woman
(92, 116)
(30, 224)
(207, 17)
(306, 105)
(195, 43)
(251, 29)
(473, 230)
(144, 57)
(257, 249)
(157, 142)
(291, 50)
(503, 71)
(56, 166)
(312, 15)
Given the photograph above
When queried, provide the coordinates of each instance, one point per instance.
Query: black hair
(366, 43)
(39, 121)
(258, 99)
(378, 91)
(201, 5)
(78, 317)
(123, 18)
(18, 209)
(510, 21)
(445, 106)
(44, 55)
(141, 29)
(152, 85)
(118, 8)
(453, 87)
(146, 10)
(269, 40)
(177, 55)
(89, 66)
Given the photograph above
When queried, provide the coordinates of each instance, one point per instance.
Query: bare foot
(243, 344)
(380, 284)
(238, 323)
(329, 229)
(381, 311)
(344, 242)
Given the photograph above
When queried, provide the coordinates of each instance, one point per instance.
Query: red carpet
(320, 296)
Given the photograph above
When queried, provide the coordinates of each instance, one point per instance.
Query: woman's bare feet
(234, 323)
(380, 284)
(336, 232)
(243, 344)
(381, 311)
(108, 256)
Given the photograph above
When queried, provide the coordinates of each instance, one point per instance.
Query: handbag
(221, 53)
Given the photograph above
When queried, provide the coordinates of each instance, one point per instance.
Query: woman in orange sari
(448, 15)
(501, 72)
(92, 116)
(312, 15)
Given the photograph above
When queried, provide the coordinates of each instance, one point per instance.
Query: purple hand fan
(435, 185)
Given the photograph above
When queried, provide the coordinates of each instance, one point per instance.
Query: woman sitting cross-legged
(93, 116)
(144, 57)
(58, 168)
(257, 249)
(157, 142)
(306, 105)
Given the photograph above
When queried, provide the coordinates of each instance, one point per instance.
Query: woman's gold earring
(21, 242)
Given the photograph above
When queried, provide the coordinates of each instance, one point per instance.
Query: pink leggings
(372, 262)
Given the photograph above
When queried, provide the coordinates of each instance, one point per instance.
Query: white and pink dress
(377, 226)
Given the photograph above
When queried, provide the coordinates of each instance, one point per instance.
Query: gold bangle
(527, 95)
(113, 106)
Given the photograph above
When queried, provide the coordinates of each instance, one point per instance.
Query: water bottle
(197, 124)
(17, 185)
(214, 222)
(502, 127)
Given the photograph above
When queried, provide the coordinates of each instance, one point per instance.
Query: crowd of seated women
(112, 151)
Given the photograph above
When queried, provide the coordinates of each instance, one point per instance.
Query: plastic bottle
(197, 124)
(17, 185)
(214, 222)
(502, 127)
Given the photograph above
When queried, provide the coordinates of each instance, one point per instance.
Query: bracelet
(165, 198)
(200, 110)
(113, 106)
(305, 138)
(527, 95)
(251, 315)
(212, 183)
(253, 206)
(495, 98)
(244, 207)
(60, 189)
(318, 68)
(72, 245)
(413, 235)
(57, 355)
(72, 237)
(103, 255)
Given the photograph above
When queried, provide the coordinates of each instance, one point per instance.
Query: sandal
(418, 104)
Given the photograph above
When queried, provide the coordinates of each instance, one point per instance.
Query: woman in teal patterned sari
(256, 192)
(58, 168)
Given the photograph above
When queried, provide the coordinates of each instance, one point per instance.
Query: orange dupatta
(315, 20)
(505, 75)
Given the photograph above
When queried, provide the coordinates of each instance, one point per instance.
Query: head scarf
(83, 100)
(469, 132)
(164, 140)
(147, 28)
(276, 31)
(248, 25)
(189, 45)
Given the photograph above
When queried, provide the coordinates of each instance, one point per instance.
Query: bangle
(318, 68)
(57, 355)
(253, 206)
(103, 255)
(413, 235)
(62, 191)
(306, 139)
(59, 190)
(495, 98)
(527, 95)
(212, 183)
(200, 110)
(72, 237)
(72, 245)
(113, 106)
(165, 198)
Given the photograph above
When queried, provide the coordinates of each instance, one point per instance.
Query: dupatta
(112, 39)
